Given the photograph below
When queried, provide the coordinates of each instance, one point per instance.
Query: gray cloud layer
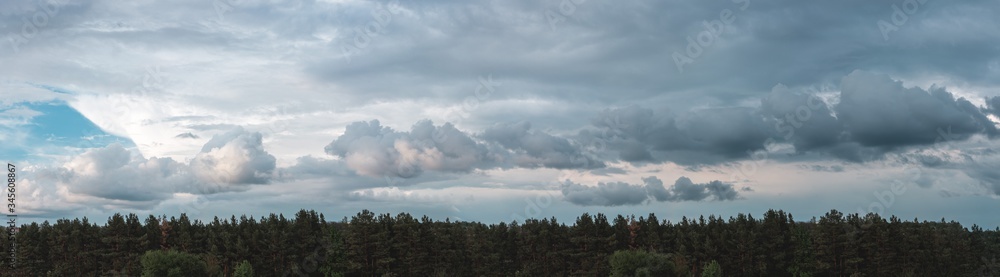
(375, 150)
(875, 114)
(619, 193)
(533, 148)
(695, 137)
(880, 112)
(993, 106)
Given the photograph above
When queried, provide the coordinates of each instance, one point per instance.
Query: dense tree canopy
(369, 244)
(172, 263)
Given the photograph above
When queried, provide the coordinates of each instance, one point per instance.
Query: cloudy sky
(502, 110)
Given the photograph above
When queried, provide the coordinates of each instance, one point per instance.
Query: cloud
(993, 106)
(236, 157)
(124, 178)
(306, 167)
(880, 112)
(115, 173)
(374, 150)
(187, 135)
(604, 194)
(696, 137)
(987, 175)
(822, 168)
(801, 118)
(685, 190)
(532, 148)
(874, 115)
(979, 160)
(620, 194)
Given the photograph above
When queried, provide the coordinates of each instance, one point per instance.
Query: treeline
(369, 244)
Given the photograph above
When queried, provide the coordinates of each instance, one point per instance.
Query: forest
(369, 244)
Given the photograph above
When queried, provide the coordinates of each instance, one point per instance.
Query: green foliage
(641, 263)
(336, 263)
(371, 244)
(244, 269)
(712, 269)
(169, 263)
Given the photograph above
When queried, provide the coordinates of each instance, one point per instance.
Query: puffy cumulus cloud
(532, 149)
(374, 150)
(115, 173)
(878, 111)
(619, 193)
(696, 137)
(123, 178)
(235, 157)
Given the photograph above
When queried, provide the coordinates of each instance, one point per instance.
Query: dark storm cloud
(993, 106)
(532, 148)
(875, 115)
(799, 43)
(879, 112)
(619, 193)
(801, 118)
(696, 137)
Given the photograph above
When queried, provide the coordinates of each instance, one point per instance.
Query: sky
(502, 110)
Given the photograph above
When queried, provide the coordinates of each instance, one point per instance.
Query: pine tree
(336, 257)
(712, 269)
(244, 269)
(361, 245)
